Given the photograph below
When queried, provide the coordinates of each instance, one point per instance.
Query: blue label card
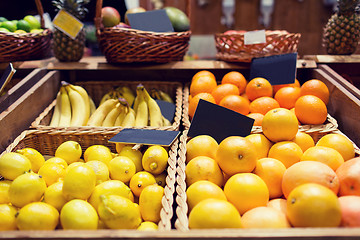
(145, 136)
(167, 109)
(6, 77)
(277, 69)
(155, 21)
(219, 122)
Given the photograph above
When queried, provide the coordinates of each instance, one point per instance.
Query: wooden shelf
(333, 58)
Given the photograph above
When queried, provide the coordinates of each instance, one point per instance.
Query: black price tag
(155, 21)
(167, 109)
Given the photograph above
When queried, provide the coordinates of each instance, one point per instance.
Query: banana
(92, 106)
(100, 113)
(142, 112)
(56, 114)
(166, 122)
(136, 102)
(106, 96)
(65, 110)
(129, 120)
(124, 111)
(154, 110)
(126, 93)
(78, 107)
(83, 93)
(165, 97)
(110, 119)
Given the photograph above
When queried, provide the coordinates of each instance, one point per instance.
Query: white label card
(254, 37)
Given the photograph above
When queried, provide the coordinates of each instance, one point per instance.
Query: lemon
(119, 212)
(111, 187)
(4, 29)
(26, 188)
(20, 31)
(7, 217)
(36, 30)
(52, 172)
(150, 203)
(99, 153)
(161, 179)
(36, 158)
(147, 226)
(72, 165)
(54, 196)
(70, 151)
(101, 170)
(134, 155)
(155, 159)
(4, 191)
(37, 216)
(122, 168)
(120, 146)
(140, 180)
(33, 22)
(57, 160)
(78, 214)
(13, 164)
(79, 182)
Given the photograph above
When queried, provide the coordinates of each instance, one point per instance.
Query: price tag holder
(6, 77)
(167, 109)
(219, 122)
(145, 137)
(254, 37)
(155, 21)
(277, 69)
(67, 23)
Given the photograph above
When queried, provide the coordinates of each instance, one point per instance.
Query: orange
(326, 155)
(262, 144)
(313, 205)
(271, 171)
(222, 90)
(278, 203)
(202, 73)
(277, 87)
(348, 174)
(287, 96)
(202, 84)
(304, 140)
(214, 213)
(202, 190)
(264, 217)
(263, 105)
(246, 191)
(195, 100)
(338, 142)
(201, 145)
(235, 78)
(236, 103)
(236, 154)
(258, 87)
(310, 109)
(280, 124)
(203, 168)
(317, 88)
(286, 152)
(293, 111)
(258, 117)
(309, 172)
(350, 211)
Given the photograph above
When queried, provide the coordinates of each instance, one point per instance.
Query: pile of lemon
(29, 24)
(103, 189)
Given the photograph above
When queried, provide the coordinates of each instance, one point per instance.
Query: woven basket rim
(267, 33)
(139, 33)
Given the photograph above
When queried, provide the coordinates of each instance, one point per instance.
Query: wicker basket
(30, 46)
(182, 221)
(231, 47)
(46, 143)
(124, 45)
(97, 89)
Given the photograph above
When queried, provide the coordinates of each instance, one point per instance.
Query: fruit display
(29, 24)
(84, 188)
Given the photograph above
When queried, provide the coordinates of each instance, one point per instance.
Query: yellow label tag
(67, 23)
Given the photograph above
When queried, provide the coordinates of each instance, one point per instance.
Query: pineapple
(65, 48)
(341, 33)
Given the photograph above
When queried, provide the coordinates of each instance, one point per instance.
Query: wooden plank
(354, 58)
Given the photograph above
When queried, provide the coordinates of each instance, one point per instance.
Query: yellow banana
(106, 96)
(129, 120)
(56, 114)
(78, 107)
(83, 93)
(166, 122)
(123, 112)
(126, 93)
(136, 102)
(142, 113)
(165, 97)
(92, 106)
(65, 112)
(155, 115)
(100, 113)
(111, 117)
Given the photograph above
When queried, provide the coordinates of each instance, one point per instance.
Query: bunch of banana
(161, 95)
(73, 106)
(119, 92)
(148, 112)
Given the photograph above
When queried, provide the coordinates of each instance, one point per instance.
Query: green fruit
(20, 31)
(178, 19)
(2, 19)
(9, 25)
(4, 30)
(23, 25)
(36, 30)
(34, 23)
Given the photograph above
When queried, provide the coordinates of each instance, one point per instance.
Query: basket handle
(41, 12)
(97, 19)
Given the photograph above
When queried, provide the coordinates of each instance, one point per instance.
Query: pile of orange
(256, 97)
